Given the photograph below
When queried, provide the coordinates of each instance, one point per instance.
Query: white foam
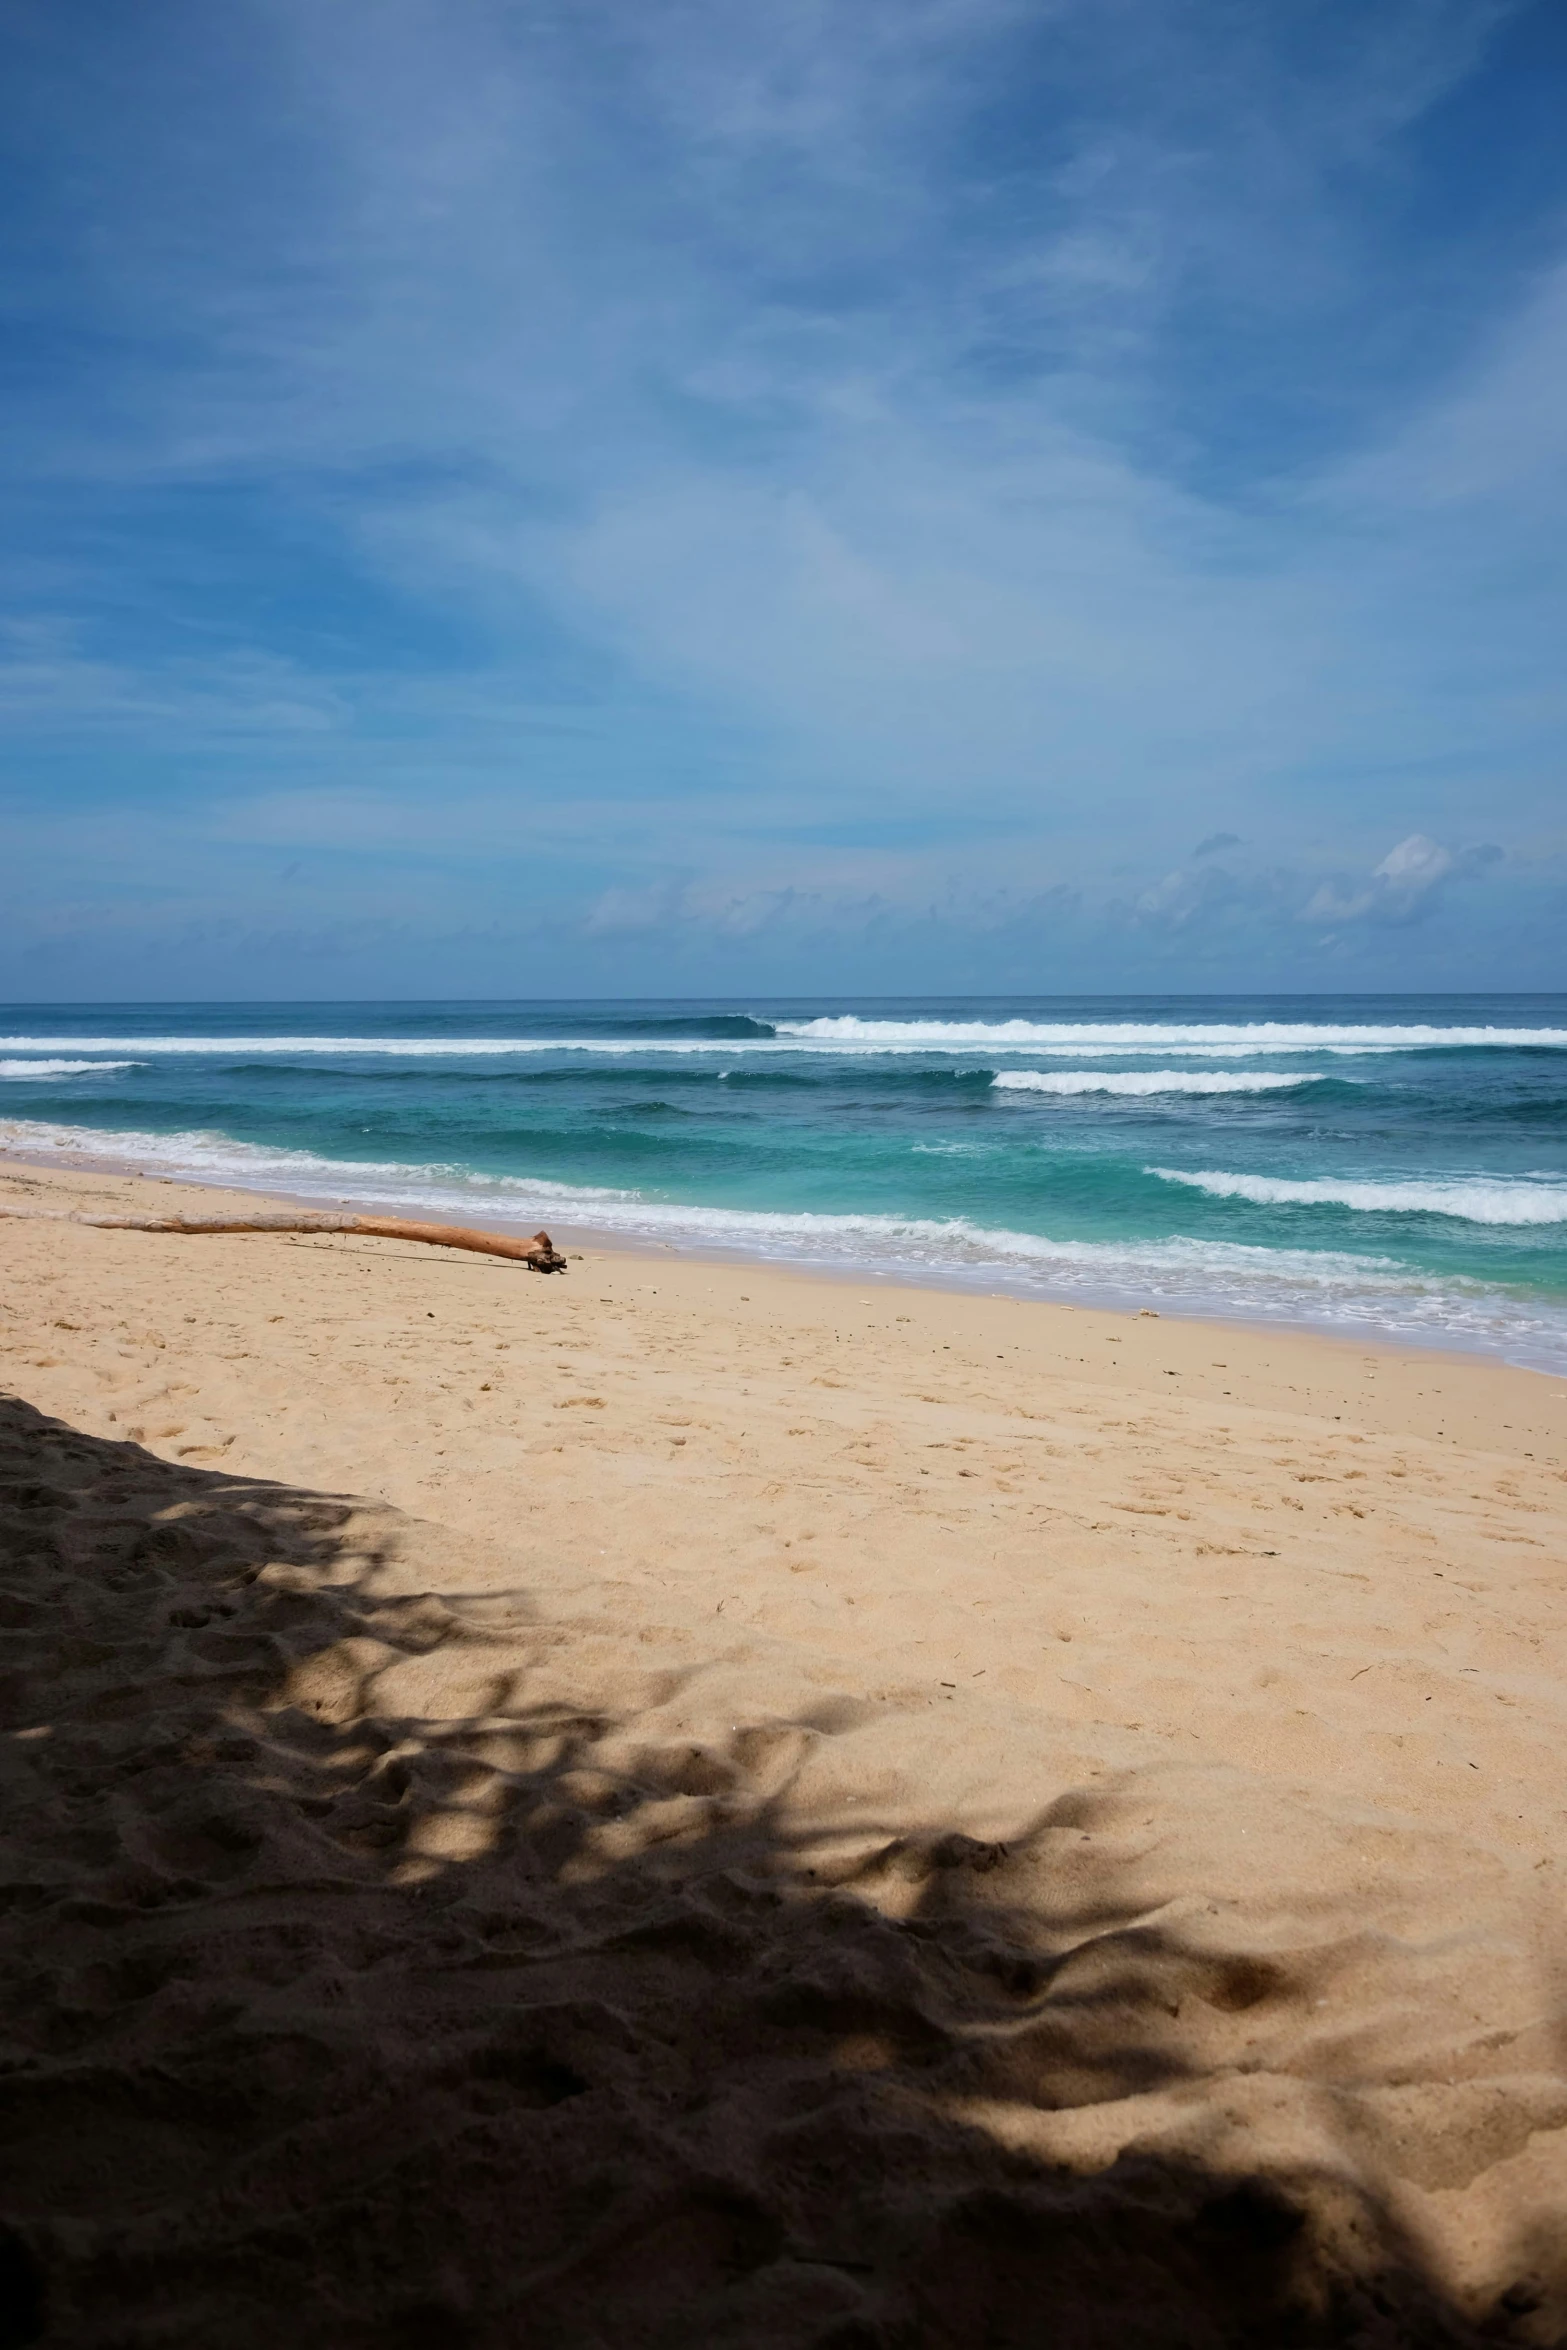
(1149, 1081)
(846, 1038)
(1475, 1199)
(216, 1158)
(38, 1069)
(1200, 1036)
(1336, 1288)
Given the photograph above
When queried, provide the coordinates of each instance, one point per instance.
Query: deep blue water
(1383, 1163)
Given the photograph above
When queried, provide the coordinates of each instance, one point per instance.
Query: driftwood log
(539, 1254)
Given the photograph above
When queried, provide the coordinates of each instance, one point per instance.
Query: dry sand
(685, 1805)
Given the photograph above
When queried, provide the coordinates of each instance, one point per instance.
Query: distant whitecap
(40, 1069)
(1140, 1082)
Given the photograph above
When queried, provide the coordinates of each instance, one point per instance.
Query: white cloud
(1401, 887)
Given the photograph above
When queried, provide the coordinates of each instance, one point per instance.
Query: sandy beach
(686, 1804)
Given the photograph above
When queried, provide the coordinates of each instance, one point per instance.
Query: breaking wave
(1138, 1082)
(1158, 1036)
(848, 1037)
(1474, 1199)
(39, 1069)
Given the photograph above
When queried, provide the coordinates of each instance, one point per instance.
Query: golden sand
(686, 1804)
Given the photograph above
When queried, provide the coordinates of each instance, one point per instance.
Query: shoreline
(1361, 1337)
(1382, 1385)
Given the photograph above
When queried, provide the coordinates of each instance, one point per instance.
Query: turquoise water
(1396, 1165)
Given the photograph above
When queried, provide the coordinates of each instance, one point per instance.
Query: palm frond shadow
(339, 2025)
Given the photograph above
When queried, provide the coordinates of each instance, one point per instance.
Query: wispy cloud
(733, 476)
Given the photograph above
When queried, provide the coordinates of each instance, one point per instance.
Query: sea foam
(1199, 1036)
(848, 1036)
(1478, 1199)
(41, 1069)
(1139, 1082)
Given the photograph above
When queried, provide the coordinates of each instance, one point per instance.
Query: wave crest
(1474, 1199)
(848, 1035)
(1138, 1082)
(1158, 1036)
(41, 1069)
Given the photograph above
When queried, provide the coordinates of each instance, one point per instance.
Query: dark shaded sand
(389, 1960)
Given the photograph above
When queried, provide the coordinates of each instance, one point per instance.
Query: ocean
(1384, 1166)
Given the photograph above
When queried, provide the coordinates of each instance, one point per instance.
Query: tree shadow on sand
(329, 2026)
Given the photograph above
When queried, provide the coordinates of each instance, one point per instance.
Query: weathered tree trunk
(540, 1253)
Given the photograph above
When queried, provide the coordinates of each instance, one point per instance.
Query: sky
(555, 497)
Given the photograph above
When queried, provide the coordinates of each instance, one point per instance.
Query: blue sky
(624, 495)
